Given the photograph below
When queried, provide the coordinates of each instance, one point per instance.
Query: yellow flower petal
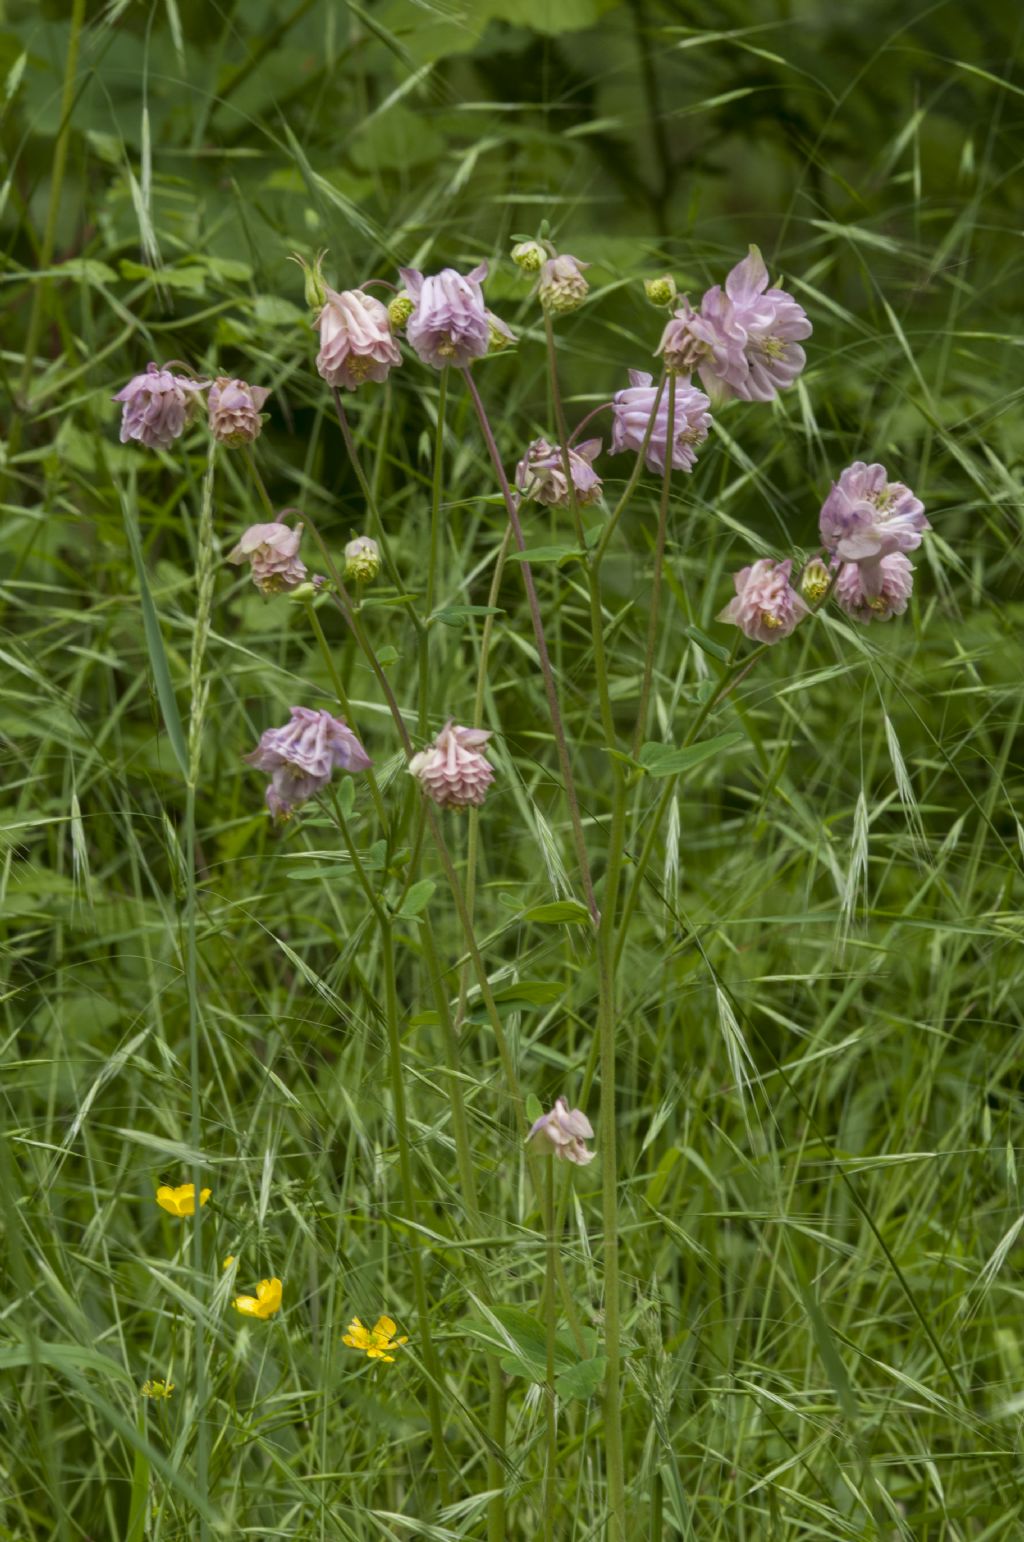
(264, 1304)
(181, 1200)
(385, 1325)
(247, 1305)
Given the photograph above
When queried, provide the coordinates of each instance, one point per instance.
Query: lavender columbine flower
(632, 412)
(561, 286)
(450, 323)
(158, 407)
(362, 559)
(540, 474)
(746, 338)
(453, 771)
(893, 577)
(355, 340)
(234, 409)
(562, 1133)
(272, 551)
(302, 756)
(866, 517)
(766, 607)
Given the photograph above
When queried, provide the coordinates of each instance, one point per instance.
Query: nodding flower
(356, 344)
(450, 323)
(562, 1133)
(454, 771)
(302, 757)
(157, 407)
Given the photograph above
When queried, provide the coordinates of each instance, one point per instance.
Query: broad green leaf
(417, 899)
(568, 912)
(666, 760)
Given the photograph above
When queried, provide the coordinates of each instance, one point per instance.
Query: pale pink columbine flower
(866, 518)
(450, 323)
(302, 756)
(766, 607)
(272, 551)
(234, 408)
(893, 577)
(632, 409)
(561, 286)
(453, 771)
(540, 474)
(158, 407)
(356, 344)
(562, 1133)
(744, 340)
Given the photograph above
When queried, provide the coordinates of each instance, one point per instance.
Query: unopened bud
(362, 559)
(316, 289)
(529, 255)
(400, 309)
(562, 287)
(499, 336)
(660, 291)
(814, 581)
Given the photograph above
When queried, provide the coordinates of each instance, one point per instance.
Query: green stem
(550, 1483)
(562, 429)
(60, 155)
(627, 492)
(343, 701)
(542, 653)
(435, 522)
(196, 1140)
(659, 561)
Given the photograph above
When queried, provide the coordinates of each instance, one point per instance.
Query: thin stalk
(404, 1147)
(196, 1140)
(562, 429)
(550, 1470)
(343, 701)
(60, 155)
(542, 651)
(659, 562)
(627, 492)
(435, 521)
(371, 502)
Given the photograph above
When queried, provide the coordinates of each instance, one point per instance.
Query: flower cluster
(157, 407)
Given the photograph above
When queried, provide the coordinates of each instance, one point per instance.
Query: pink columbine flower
(158, 407)
(234, 408)
(562, 1133)
(745, 340)
(540, 474)
(866, 517)
(766, 607)
(272, 551)
(450, 322)
(453, 771)
(893, 577)
(561, 286)
(302, 756)
(632, 413)
(355, 340)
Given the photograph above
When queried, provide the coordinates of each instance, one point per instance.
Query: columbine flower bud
(302, 756)
(562, 287)
(499, 335)
(315, 288)
(766, 607)
(158, 407)
(660, 291)
(362, 559)
(355, 340)
(272, 551)
(400, 308)
(453, 771)
(814, 581)
(529, 256)
(562, 1133)
(540, 474)
(234, 408)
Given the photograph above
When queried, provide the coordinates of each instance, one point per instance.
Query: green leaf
(540, 554)
(455, 615)
(582, 1380)
(534, 1108)
(386, 655)
(154, 641)
(666, 760)
(706, 645)
(568, 912)
(417, 899)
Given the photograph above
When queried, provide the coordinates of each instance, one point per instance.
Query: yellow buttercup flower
(264, 1303)
(376, 1341)
(182, 1200)
(228, 1261)
(157, 1388)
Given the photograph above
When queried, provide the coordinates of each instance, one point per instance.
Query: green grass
(817, 1019)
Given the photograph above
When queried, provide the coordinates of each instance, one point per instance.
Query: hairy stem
(659, 561)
